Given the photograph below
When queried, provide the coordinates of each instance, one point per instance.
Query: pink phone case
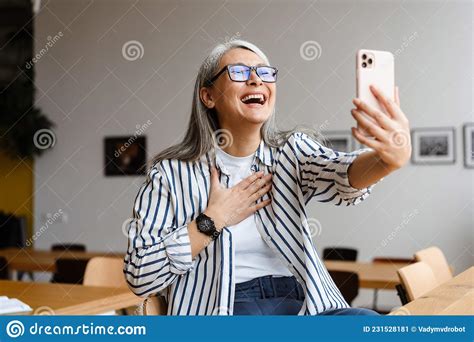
(377, 68)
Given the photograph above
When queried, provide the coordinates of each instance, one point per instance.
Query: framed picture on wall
(125, 156)
(469, 145)
(339, 140)
(433, 145)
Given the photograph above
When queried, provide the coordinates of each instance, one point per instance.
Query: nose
(254, 78)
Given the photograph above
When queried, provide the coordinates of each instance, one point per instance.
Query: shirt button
(268, 238)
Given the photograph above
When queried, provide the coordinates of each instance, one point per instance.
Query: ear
(206, 97)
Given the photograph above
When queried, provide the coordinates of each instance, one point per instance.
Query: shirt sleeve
(158, 250)
(323, 172)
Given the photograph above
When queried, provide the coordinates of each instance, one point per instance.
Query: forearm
(366, 170)
(199, 240)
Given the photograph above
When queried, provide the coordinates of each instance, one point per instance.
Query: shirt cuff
(178, 249)
(344, 187)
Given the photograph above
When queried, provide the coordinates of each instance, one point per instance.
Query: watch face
(205, 225)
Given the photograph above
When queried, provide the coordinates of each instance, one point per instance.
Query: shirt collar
(264, 153)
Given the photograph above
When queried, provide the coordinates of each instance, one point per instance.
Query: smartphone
(377, 68)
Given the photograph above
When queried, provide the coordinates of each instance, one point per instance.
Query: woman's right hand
(229, 206)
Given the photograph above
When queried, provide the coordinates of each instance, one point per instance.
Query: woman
(220, 226)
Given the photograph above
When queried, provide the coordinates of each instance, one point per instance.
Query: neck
(243, 143)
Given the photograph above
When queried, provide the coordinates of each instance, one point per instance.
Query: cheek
(228, 95)
(273, 94)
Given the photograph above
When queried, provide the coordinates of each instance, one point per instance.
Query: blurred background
(82, 80)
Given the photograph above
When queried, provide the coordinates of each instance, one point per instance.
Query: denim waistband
(269, 287)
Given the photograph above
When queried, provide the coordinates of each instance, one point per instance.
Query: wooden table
(455, 297)
(66, 299)
(372, 275)
(29, 259)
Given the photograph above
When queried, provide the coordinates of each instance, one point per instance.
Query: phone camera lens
(364, 65)
(364, 56)
(370, 60)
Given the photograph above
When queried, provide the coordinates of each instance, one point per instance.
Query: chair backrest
(155, 305)
(435, 258)
(3, 268)
(13, 231)
(347, 283)
(105, 271)
(393, 260)
(417, 279)
(340, 253)
(76, 247)
(69, 271)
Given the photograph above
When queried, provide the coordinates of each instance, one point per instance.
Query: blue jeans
(270, 295)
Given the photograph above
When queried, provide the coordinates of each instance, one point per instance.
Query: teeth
(253, 96)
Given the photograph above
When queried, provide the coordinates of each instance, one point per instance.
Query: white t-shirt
(253, 257)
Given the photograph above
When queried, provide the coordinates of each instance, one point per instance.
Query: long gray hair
(203, 124)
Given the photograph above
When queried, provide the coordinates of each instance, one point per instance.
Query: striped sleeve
(323, 172)
(158, 250)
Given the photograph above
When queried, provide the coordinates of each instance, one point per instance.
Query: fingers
(245, 183)
(260, 205)
(369, 126)
(255, 186)
(214, 177)
(383, 120)
(372, 143)
(390, 106)
(397, 96)
(260, 192)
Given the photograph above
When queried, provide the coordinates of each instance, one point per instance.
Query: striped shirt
(159, 258)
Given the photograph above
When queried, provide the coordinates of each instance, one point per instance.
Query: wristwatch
(206, 226)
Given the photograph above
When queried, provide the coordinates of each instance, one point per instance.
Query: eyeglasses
(241, 73)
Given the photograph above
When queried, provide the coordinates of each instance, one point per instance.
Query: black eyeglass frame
(255, 67)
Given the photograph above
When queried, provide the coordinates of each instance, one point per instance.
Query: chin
(256, 116)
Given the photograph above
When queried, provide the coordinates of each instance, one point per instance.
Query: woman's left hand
(391, 131)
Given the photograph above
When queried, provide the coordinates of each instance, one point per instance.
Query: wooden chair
(75, 247)
(394, 260)
(390, 260)
(339, 253)
(434, 257)
(4, 274)
(108, 271)
(14, 235)
(417, 279)
(347, 283)
(105, 271)
(69, 271)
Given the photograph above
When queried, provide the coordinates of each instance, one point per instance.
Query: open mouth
(254, 99)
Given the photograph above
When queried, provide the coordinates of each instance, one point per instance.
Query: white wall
(90, 91)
